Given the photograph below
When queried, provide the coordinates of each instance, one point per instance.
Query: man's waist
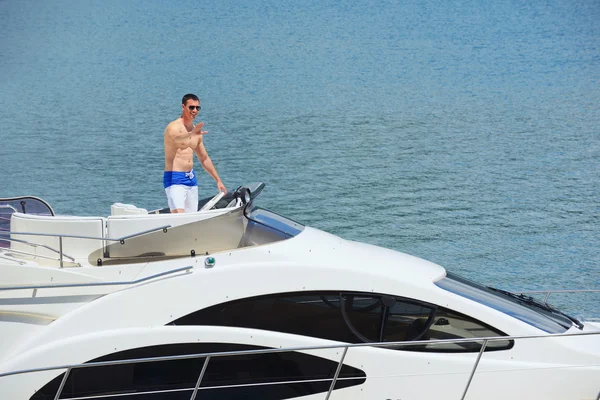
(187, 178)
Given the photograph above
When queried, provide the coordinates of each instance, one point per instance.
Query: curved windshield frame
(522, 308)
(274, 221)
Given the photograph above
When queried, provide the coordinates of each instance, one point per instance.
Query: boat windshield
(522, 307)
(25, 205)
(278, 223)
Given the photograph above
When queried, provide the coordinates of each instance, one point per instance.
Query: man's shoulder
(174, 125)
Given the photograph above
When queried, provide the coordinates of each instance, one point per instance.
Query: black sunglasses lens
(191, 108)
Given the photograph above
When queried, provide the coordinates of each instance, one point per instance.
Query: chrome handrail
(200, 378)
(549, 292)
(337, 373)
(334, 379)
(28, 253)
(66, 285)
(62, 384)
(60, 237)
(483, 346)
(20, 262)
(34, 245)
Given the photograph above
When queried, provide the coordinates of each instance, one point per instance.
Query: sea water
(466, 133)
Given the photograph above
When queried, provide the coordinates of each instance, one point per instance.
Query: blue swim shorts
(179, 178)
(182, 190)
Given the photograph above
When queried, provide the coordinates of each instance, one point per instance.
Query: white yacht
(237, 302)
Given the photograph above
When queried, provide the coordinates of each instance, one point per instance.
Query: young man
(182, 139)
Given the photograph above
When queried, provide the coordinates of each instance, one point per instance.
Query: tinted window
(446, 324)
(178, 377)
(274, 221)
(521, 308)
(351, 318)
(308, 315)
(364, 316)
(407, 320)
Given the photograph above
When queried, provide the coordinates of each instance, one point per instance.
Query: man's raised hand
(198, 129)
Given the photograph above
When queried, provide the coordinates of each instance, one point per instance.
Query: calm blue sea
(463, 132)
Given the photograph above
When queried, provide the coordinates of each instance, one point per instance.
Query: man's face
(191, 108)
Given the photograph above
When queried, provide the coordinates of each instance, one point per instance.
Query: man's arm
(208, 165)
(183, 139)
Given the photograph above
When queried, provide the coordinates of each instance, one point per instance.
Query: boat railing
(208, 356)
(34, 245)
(5, 222)
(59, 251)
(11, 259)
(90, 284)
(547, 293)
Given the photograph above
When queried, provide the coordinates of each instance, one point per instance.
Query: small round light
(209, 262)
(247, 196)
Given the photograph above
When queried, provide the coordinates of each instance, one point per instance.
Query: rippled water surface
(465, 133)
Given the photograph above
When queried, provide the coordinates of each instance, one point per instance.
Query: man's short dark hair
(189, 96)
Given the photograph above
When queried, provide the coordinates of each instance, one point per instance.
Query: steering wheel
(211, 203)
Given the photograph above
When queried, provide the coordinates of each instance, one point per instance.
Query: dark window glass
(451, 325)
(407, 321)
(308, 315)
(362, 317)
(522, 308)
(364, 314)
(179, 377)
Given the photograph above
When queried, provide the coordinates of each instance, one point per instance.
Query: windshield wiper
(532, 301)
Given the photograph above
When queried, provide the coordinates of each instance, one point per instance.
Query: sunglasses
(191, 108)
